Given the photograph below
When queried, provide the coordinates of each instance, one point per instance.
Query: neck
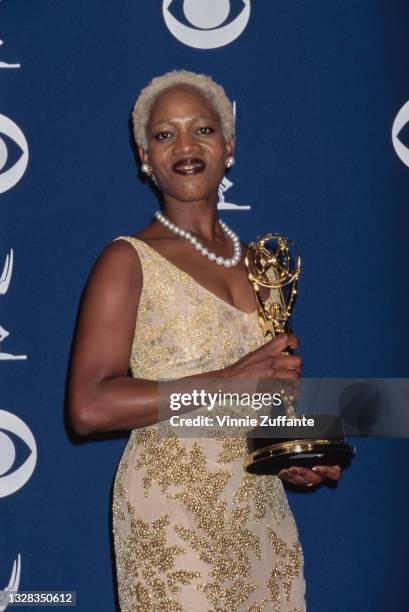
(200, 218)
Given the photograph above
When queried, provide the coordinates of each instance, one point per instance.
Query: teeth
(188, 165)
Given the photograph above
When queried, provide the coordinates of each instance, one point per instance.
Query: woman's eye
(205, 130)
(163, 135)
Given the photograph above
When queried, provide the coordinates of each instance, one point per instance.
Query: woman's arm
(102, 396)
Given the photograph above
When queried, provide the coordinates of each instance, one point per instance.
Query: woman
(192, 530)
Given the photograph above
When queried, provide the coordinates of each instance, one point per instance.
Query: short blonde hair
(211, 91)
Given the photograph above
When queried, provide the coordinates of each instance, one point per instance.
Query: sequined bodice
(182, 328)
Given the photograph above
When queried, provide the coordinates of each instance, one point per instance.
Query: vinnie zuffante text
(213, 401)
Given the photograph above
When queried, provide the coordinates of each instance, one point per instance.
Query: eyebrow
(194, 117)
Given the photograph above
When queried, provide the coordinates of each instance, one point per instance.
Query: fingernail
(293, 470)
(315, 469)
(283, 473)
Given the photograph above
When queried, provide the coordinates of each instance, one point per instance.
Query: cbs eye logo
(401, 120)
(13, 153)
(206, 24)
(15, 435)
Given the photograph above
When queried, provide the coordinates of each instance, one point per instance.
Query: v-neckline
(192, 279)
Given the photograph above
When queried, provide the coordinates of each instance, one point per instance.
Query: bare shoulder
(118, 256)
(117, 271)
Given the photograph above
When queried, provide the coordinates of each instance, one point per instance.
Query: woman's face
(186, 147)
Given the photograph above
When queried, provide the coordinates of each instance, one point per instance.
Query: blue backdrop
(318, 87)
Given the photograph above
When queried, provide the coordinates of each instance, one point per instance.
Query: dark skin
(102, 397)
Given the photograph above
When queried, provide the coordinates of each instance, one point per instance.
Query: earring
(146, 168)
(230, 161)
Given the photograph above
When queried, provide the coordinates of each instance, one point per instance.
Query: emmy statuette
(273, 265)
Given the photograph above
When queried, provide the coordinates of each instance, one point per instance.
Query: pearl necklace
(199, 246)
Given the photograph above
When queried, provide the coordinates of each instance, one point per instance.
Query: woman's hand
(307, 478)
(269, 361)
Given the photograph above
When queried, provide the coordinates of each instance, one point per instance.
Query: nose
(185, 143)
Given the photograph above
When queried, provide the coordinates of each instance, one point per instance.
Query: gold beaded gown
(193, 532)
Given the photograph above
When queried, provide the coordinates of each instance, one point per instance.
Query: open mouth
(189, 166)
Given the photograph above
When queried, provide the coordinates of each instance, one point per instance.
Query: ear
(230, 145)
(145, 160)
(143, 155)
